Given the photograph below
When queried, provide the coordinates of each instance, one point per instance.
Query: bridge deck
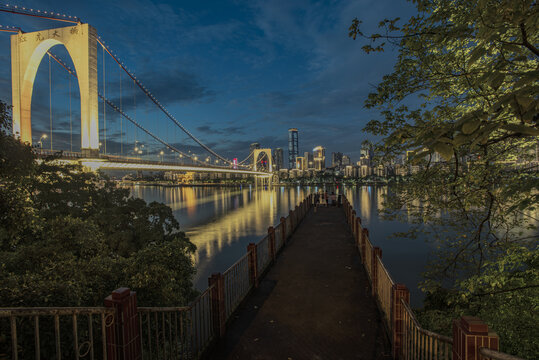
(314, 303)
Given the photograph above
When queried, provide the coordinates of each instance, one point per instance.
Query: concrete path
(314, 303)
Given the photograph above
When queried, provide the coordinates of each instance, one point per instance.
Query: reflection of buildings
(319, 155)
(292, 147)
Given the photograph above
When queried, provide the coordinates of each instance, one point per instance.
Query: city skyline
(225, 75)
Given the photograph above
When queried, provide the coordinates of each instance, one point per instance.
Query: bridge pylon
(27, 51)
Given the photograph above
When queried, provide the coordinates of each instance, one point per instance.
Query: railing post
(469, 334)
(358, 232)
(364, 236)
(218, 303)
(271, 238)
(123, 337)
(283, 230)
(399, 291)
(291, 217)
(253, 271)
(376, 251)
(353, 222)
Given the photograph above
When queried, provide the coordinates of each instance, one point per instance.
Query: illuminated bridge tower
(27, 50)
(292, 147)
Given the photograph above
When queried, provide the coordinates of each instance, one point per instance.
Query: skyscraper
(336, 159)
(319, 154)
(292, 147)
(278, 159)
(309, 161)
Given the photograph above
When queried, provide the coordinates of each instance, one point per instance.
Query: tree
(69, 237)
(472, 67)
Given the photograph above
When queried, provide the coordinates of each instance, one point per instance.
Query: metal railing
(237, 284)
(384, 289)
(263, 256)
(54, 332)
(164, 332)
(421, 344)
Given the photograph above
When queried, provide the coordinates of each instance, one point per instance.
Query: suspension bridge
(123, 125)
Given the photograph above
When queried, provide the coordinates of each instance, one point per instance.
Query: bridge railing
(122, 330)
(471, 336)
(54, 332)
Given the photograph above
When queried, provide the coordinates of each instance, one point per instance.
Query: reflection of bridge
(112, 136)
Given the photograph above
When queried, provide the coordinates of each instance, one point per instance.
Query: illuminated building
(300, 163)
(278, 159)
(292, 147)
(319, 154)
(336, 159)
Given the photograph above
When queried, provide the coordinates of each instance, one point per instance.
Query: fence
(471, 339)
(121, 330)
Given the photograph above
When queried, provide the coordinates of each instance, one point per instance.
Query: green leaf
(476, 54)
(470, 126)
(444, 149)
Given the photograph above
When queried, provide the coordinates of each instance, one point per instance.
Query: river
(221, 221)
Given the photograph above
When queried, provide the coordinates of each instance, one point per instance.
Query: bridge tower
(27, 51)
(262, 156)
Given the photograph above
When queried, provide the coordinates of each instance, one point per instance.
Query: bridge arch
(27, 52)
(261, 155)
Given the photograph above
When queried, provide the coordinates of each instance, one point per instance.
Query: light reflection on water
(221, 221)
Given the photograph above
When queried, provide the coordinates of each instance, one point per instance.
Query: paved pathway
(314, 303)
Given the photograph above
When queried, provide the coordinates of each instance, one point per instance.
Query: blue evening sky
(232, 72)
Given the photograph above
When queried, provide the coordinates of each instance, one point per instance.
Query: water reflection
(222, 221)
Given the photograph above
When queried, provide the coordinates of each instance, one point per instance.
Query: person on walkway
(333, 198)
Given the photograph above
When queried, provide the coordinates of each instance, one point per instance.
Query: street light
(161, 153)
(44, 136)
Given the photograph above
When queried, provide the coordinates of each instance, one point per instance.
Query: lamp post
(43, 137)
(161, 153)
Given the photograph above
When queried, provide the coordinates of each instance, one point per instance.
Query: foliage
(68, 237)
(462, 104)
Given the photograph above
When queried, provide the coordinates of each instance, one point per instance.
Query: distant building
(300, 163)
(336, 159)
(293, 146)
(278, 159)
(319, 154)
(309, 160)
(345, 160)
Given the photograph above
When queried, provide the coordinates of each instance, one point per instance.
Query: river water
(221, 221)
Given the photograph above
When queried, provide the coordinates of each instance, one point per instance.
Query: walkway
(314, 303)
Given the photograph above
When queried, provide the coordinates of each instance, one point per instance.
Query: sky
(232, 72)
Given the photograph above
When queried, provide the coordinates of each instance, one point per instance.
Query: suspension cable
(70, 121)
(50, 99)
(112, 105)
(158, 104)
(104, 105)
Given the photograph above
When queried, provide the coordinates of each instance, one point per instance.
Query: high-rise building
(345, 160)
(336, 159)
(292, 147)
(300, 163)
(319, 154)
(309, 160)
(278, 159)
